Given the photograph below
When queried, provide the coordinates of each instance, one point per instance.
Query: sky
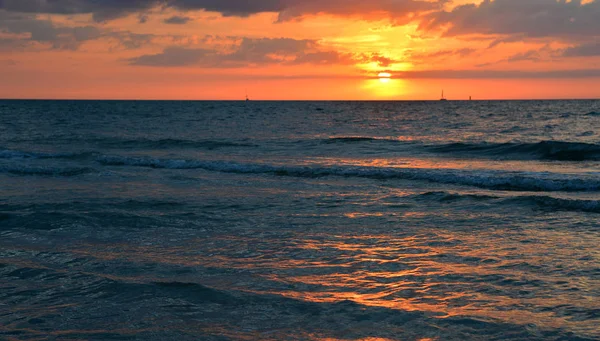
(300, 49)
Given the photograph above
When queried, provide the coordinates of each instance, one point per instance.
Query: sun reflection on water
(438, 272)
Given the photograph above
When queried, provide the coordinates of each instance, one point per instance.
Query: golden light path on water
(426, 272)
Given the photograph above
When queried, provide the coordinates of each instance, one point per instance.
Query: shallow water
(300, 220)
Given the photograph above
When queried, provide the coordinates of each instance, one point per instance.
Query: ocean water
(300, 220)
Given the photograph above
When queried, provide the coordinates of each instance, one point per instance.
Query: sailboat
(247, 98)
(443, 98)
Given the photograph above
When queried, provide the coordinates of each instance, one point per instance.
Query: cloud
(499, 74)
(177, 20)
(251, 52)
(143, 18)
(294, 9)
(441, 54)
(101, 10)
(9, 62)
(531, 55)
(545, 53)
(26, 30)
(527, 18)
(583, 50)
(130, 40)
(175, 56)
(45, 31)
(287, 9)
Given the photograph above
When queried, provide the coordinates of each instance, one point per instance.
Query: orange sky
(299, 49)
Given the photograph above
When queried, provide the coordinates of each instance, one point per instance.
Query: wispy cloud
(257, 52)
(177, 20)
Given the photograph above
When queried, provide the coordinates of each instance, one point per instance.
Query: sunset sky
(299, 49)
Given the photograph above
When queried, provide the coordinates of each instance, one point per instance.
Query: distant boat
(247, 98)
(443, 98)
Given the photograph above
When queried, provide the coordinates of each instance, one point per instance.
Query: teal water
(300, 220)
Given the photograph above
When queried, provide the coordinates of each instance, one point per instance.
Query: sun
(384, 77)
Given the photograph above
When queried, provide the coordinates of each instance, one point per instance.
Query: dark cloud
(525, 18)
(143, 18)
(532, 55)
(544, 54)
(292, 9)
(45, 31)
(500, 74)
(441, 54)
(131, 41)
(101, 9)
(177, 20)
(256, 52)
(288, 9)
(247, 53)
(583, 50)
(9, 62)
(175, 56)
(507, 39)
(26, 30)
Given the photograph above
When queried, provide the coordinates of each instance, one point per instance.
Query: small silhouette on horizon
(443, 98)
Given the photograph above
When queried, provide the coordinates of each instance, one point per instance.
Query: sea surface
(375, 221)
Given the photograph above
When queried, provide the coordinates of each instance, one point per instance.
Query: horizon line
(296, 100)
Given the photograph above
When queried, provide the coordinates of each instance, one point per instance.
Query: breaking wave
(540, 201)
(515, 181)
(546, 150)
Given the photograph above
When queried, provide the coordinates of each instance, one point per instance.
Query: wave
(174, 143)
(442, 196)
(513, 181)
(592, 206)
(358, 139)
(47, 171)
(350, 139)
(540, 201)
(15, 154)
(593, 113)
(546, 150)
(141, 143)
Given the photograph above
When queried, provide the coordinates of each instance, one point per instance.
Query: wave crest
(16, 154)
(541, 201)
(514, 181)
(545, 150)
(47, 171)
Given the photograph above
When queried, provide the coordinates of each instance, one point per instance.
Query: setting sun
(384, 77)
(195, 49)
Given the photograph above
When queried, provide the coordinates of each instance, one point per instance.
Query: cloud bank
(252, 52)
(287, 9)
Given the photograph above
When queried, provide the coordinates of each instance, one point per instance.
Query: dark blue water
(300, 220)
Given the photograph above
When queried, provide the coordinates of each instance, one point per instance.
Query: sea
(233, 220)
